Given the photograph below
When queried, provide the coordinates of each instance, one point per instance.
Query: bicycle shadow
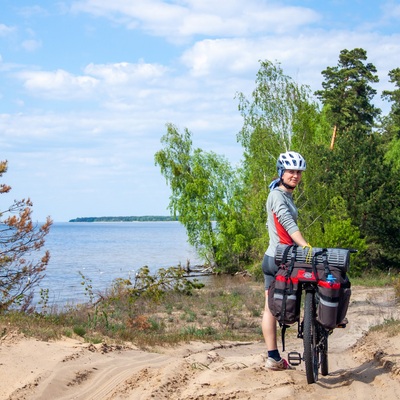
(365, 373)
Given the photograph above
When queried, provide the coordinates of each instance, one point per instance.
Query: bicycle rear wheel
(311, 353)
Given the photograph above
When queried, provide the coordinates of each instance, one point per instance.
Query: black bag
(344, 301)
(336, 257)
(333, 292)
(284, 294)
(334, 299)
(284, 298)
(328, 304)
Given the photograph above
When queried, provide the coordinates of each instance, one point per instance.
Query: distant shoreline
(125, 219)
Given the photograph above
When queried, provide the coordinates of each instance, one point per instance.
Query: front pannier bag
(344, 300)
(334, 294)
(328, 303)
(284, 298)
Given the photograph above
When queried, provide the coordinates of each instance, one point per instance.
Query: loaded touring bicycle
(320, 274)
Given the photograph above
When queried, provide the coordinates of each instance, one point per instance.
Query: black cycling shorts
(269, 269)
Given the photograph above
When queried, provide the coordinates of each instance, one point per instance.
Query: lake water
(103, 252)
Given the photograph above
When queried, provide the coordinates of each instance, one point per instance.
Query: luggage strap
(324, 254)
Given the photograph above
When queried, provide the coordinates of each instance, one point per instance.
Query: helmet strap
(287, 186)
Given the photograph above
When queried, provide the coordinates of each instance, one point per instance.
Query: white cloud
(31, 45)
(303, 57)
(122, 73)
(99, 82)
(6, 30)
(59, 84)
(391, 10)
(179, 20)
(32, 11)
(216, 56)
(102, 134)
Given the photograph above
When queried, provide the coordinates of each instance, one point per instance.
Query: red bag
(284, 297)
(284, 294)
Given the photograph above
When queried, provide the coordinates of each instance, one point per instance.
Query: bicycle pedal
(294, 358)
(342, 326)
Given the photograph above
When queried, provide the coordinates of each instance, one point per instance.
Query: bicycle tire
(310, 355)
(324, 355)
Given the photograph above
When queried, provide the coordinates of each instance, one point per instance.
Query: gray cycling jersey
(282, 219)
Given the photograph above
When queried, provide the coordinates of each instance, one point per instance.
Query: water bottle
(330, 278)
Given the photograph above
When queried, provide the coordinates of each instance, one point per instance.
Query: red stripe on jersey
(284, 237)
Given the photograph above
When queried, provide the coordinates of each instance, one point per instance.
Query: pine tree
(357, 171)
(21, 268)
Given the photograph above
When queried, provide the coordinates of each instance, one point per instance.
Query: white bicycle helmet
(290, 160)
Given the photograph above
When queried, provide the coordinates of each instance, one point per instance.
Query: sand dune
(361, 366)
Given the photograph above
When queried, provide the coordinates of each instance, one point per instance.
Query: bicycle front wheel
(324, 356)
(310, 339)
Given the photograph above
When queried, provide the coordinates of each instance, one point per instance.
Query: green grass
(230, 309)
(377, 279)
(390, 326)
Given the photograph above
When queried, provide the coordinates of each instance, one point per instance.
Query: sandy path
(69, 369)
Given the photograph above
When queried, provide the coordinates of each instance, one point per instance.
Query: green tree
(391, 124)
(357, 172)
(348, 196)
(204, 197)
(20, 242)
(273, 113)
(339, 231)
(347, 92)
(280, 116)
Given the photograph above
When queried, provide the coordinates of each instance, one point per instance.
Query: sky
(88, 86)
